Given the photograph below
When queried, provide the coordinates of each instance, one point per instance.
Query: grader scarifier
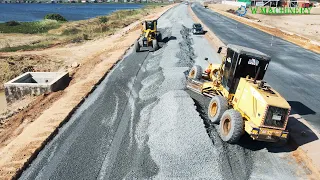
(241, 101)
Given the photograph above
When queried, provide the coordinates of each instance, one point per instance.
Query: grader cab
(240, 100)
(150, 37)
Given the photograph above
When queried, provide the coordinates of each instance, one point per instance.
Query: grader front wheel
(195, 72)
(231, 126)
(217, 106)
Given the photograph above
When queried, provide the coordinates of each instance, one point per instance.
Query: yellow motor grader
(149, 37)
(240, 100)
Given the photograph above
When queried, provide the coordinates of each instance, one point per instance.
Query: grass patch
(30, 27)
(103, 25)
(70, 31)
(27, 47)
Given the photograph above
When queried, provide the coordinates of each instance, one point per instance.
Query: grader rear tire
(137, 46)
(231, 126)
(195, 72)
(159, 37)
(154, 45)
(217, 106)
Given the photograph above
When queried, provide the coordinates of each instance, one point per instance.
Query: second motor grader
(150, 37)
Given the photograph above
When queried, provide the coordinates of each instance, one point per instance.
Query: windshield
(248, 66)
(197, 25)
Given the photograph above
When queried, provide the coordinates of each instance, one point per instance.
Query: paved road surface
(141, 123)
(293, 71)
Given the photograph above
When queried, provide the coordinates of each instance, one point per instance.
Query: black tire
(137, 46)
(217, 106)
(195, 72)
(159, 37)
(231, 126)
(154, 45)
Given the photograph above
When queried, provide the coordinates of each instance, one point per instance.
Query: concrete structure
(35, 83)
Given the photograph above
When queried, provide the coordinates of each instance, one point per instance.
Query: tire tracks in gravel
(133, 159)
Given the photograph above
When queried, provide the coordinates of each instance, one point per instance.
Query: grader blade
(194, 85)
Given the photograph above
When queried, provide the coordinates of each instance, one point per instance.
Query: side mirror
(219, 50)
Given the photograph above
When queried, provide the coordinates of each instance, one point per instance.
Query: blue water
(72, 12)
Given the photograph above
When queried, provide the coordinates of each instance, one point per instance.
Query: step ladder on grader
(240, 100)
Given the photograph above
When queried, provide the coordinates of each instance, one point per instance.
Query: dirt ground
(305, 25)
(14, 65)
(26, 132)
(18, 39)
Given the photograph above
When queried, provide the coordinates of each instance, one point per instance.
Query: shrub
(85, 37)
(77, 39)
(103, 19)
(56, 17)
(12, 23)
(70, 31)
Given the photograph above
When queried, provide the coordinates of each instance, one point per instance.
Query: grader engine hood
(276, 108)
(266, 110)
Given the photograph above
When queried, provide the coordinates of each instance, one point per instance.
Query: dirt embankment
(303, 30)
(26, 133)
(68, 35)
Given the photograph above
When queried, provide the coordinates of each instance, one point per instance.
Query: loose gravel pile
(186, 53)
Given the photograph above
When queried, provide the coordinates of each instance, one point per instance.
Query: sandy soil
(12, 40)
(27, 131)
(3, 103)
(303, 30)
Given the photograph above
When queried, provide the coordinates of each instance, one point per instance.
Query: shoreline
(105, 12)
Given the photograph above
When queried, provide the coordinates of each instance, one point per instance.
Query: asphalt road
(141, 123)
(294, 71)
